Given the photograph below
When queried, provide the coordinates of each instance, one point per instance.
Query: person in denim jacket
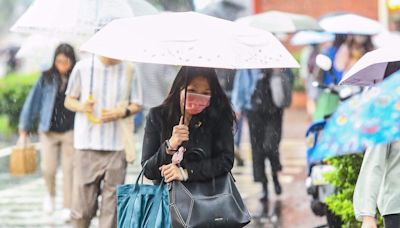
(45, 102)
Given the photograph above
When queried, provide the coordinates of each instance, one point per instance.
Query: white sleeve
(369, 181)
(136, 95)
(74, 83)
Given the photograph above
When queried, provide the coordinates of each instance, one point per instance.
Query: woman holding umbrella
(206, 128)
(46, 102)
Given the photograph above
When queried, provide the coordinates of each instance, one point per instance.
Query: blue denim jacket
(39, 105)
(243, 87)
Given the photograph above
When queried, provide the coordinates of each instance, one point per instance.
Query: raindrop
(200, 57)
(260, 50)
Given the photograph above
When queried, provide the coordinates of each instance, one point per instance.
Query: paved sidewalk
(21, 205)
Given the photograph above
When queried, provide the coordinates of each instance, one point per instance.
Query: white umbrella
(190, 39)
(281, 22)
(370, 69)
(350, 24)
(311, 37)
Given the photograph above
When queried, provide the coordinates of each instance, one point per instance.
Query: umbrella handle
(90, 116)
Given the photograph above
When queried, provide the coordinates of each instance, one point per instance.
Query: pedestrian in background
(99, 87)
(351, 51)
(253, 93)
(378, 181)
(334, 75)
(378, 185)
(243, 87)
(309, 74)
(46, 103)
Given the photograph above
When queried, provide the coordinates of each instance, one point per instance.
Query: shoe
(49, 204)
(66, 215)
(277, 185)
(239, 160)
(264, 198)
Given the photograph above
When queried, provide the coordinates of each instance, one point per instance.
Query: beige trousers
(53, 146)
(96, 173)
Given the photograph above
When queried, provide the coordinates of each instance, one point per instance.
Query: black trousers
(265, 136)
(392, 221)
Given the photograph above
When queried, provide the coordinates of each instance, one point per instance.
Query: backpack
(281, 85)
(261, 99)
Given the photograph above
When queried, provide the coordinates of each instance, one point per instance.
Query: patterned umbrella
(365, 120)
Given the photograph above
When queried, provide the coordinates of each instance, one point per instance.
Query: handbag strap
(156, 204)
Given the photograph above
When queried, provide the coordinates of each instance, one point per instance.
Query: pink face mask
(196, 103)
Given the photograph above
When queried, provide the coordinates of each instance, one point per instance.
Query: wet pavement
(21, 203)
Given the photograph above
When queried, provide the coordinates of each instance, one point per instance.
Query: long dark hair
(391, 68)
(367, 45)
(220, 106)
(66, 50)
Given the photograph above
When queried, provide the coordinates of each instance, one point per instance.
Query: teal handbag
(143, 206)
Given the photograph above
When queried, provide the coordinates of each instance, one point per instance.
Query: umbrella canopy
(350, 24)
(190, 39)
(30, 47)
(311, 37)
(281, 22)
(365, 120)
(370, 68)
(72, 18)
(386, 39)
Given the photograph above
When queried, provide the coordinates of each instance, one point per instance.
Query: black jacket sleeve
(154, 151)
(222, 155)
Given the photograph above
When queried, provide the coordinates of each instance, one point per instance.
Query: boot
(264, 198)
(277, 185)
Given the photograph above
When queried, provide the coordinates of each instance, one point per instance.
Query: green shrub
(344, 179)
(14, 89)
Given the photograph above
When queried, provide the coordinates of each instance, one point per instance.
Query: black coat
(209, 151)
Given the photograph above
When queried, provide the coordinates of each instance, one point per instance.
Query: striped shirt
(109, 89)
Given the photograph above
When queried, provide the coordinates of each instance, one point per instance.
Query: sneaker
(65, 215)
(49, 204)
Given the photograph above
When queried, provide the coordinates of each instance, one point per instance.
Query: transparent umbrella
(76, 20)
(66, 19)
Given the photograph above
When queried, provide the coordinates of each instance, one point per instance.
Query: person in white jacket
(378, 186)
